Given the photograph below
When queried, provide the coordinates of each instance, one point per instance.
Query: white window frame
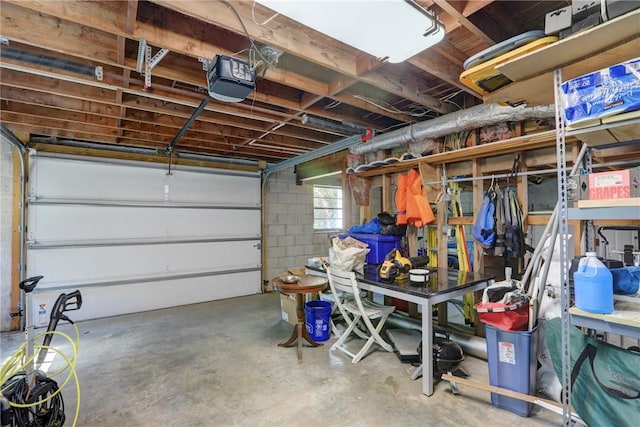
(340, 210)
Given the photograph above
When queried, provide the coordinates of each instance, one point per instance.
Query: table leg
(300, 327)
(292, 338)
(307, 337)
(299, 332)
(427, 349)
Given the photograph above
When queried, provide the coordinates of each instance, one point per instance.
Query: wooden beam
(57, 34)
(545, 403)
(438, 66)
(451, 10)
(290, 37)
(478, 195)
(387, 204)
(16, 240)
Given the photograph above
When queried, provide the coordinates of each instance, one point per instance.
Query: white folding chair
(357, 311)
(337, 312)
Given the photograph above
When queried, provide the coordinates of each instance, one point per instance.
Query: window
(327, 208)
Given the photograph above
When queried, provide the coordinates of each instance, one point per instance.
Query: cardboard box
(288, 308)
(573, 188)
(621, 184)
(557, 20)
(580, 9)
(603, 93)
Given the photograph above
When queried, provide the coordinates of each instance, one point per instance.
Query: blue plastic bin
(512, 365)
(379, 244)
(317, 320)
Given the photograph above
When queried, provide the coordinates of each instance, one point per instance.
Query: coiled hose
(36, 400)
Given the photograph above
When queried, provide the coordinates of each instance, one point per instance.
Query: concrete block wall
(290, 239)
(6, 215)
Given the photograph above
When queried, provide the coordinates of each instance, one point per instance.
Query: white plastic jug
(593, 285)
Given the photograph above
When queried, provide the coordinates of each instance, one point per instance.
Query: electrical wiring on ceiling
(388, 107)
(255, 21)
(333, 104)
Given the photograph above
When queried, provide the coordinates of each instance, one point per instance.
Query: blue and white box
(603, 93)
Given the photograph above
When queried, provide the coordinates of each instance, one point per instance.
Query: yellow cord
(19, 362)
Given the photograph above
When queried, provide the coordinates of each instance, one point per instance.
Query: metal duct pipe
(467, 119)
(342, 127)
(470, 344)
(48, 61)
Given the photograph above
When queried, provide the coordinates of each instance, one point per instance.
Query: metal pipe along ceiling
(467, 119)
(48, 61)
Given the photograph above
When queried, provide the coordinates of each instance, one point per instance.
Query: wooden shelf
(602, 46)
(608, 133)
(491, 149)
(611, 203)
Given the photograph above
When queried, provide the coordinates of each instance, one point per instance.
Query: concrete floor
(217, 364)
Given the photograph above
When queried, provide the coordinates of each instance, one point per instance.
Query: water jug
(593, 284)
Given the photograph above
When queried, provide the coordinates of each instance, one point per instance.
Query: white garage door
(132, 238)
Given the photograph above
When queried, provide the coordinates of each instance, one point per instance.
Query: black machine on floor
(29, 397)
(447, 354)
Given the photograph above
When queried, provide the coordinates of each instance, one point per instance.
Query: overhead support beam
(315, 154)
(451, 10)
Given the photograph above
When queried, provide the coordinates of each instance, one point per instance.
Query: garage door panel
(87, 265)
(134, 239)
(117, 300)
(49, 223)
(232, 222)
(66, 178)
(187, 187)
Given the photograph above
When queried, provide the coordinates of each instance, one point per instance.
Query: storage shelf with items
(536, 80)
(604, 45)
(602, 134)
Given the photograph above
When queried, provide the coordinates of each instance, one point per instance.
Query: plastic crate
(379, 244)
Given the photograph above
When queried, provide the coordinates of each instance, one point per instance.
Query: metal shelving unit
(603, 210)
(536, 78)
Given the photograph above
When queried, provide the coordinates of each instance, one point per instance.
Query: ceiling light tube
(394, 30)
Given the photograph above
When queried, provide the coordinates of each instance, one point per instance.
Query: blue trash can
(512, 365)
(318, 316)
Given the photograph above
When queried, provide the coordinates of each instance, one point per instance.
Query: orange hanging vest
(419, 212)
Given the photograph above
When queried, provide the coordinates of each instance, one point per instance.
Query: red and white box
(613, 185)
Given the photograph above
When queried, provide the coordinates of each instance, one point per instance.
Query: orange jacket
(419, 212)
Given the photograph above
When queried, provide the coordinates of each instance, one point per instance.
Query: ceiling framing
(44, 96)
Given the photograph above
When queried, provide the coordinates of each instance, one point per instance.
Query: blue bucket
(318, 316)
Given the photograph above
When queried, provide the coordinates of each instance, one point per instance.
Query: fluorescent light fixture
(391, 29)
